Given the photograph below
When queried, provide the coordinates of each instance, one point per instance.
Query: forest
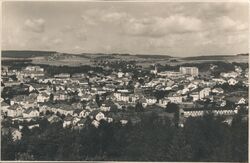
(205, 138)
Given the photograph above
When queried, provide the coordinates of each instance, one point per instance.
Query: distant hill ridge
(25, 54)
(30, 53)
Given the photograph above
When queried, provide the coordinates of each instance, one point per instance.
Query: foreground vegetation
(201, 139)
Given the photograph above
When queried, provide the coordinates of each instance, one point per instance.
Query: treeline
(201, 139)
(17, 64)
(25, 54)
(53, 70)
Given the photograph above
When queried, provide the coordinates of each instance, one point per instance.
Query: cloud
(228, 24)
(35, 25)
(88, 20)
(57, 41)
(159, 27)
(114, 16)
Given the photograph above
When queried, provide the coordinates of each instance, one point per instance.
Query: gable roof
(29, 110)
(14, 107)
(4, 104)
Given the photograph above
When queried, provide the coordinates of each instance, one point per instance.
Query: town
(75, 99)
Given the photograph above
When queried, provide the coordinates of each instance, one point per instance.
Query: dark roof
(14, 107)
(4, 104)
(68, 118)
(77, 111)
(29, 110)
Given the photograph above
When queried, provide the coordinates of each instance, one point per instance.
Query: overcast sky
(176, 29)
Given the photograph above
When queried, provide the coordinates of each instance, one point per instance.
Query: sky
(176, 29)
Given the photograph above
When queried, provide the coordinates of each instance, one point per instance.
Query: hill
(25, 54)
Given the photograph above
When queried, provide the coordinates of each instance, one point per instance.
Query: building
(62, 75)
(175, 98)
(193, 71)
(14, 111)
(204, 92)
(30, 113)
(232, 81)
(196, 113)
(34, 68)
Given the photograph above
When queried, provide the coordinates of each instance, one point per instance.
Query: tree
(139, 107)
(25, 156)
(97, 99)
(179, 149)
(172, 108)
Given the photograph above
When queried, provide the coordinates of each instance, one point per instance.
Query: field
(58, 59)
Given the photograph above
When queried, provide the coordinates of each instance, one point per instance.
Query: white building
(194, 71)
(232, 81)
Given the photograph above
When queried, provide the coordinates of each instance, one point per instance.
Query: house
(78, 75)
(218, 90)
(54, 118)
(62, 75)
(85, 97)
(14, 111)
(95, 123)
(236, 100)
(163, 102)
(30, 113)
(43, 97)
(34, 68)
(109, 120)
(18, 100)
(46, 107)
(229, 74)
(25, 101)
(221, 103)
(33, 126)
(82, 122)
(123, 121)
(83, 81)
(4, 107)
(184, 91)
(175, 98)
(77, 112)
(232, 81)
(92, 105)
(238, 69)
(170, 74)
(100, 116)
(204, 92)
(15, 133)
(77, 105)
(192, 86)
(219, 80)
(133, 98)
(144, 103)
(150, 100)
(65, 109)
(67, 121)
(60, 96)
(84, 113)
(121, 104)
(122, 96)
(195, 95)
(75, 120)
(38, 87)
(106, 105)
(120, 74)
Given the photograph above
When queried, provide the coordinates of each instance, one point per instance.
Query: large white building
(194, 71)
